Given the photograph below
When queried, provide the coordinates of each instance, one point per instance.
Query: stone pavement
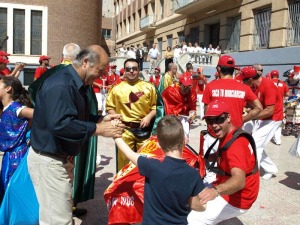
(278, 202)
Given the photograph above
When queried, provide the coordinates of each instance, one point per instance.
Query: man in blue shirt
(61, 124)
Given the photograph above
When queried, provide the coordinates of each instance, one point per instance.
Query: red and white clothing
(199, 86)
(155, 80)
(177, 104)
(100, 93)
(268, 94)
(39, 71)
(264, 129)
(5, 72)
(231, 92)
(113, 79)
(282, 87)
(238, 155)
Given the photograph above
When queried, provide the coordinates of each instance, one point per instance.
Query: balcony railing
(147, 22)
(183, 3)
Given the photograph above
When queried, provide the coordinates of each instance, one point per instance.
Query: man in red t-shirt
(234, 192)
(284, 93)
(44, 63)
(4, 70)
(113, 78)
(180, 100)
(268, 120)
(155, 79)
(232, 92)
(199, 82)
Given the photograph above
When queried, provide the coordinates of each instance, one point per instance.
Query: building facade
(31, 28)
(253, 31)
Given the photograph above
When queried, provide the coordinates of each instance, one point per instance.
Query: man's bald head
(70, 51)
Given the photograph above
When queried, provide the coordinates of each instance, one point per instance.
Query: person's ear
(9, 89)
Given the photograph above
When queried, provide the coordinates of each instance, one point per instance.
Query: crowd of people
(198, 54)
(54, 126)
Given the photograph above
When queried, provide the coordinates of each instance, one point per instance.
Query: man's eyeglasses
(217, 120)
(129, 68)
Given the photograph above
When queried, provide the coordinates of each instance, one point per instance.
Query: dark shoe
(78, 212)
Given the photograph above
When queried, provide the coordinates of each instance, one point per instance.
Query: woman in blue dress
(14, 126)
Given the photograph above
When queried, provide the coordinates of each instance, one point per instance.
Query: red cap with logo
(44, 57)
(296, 70)
(4, 53)
(185, 80)
(113, 66)
(226, 60)
(216, 108)
(157, 68)
(274, 73)
(3, 59)
(248, 72)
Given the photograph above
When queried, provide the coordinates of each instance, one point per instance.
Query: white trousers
(52, 179)
(101, 99)
(263, 131)
(201, 105)
(217, 210)
(277, 135)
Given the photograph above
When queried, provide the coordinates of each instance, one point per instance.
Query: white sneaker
(98, 160)
(267, 176)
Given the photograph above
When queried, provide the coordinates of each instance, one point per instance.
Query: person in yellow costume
(171, 76)
(135, 100)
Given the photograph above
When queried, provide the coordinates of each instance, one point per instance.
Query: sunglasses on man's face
(129, 68)
(262, 70)
(217, 120)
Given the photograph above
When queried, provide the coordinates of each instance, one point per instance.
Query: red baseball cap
(44, 57)
(199, 70)
(157, 68)
(113, 66)
(216, 108)
(296, 69)
(3, 59)
(185, 80)
(226, 60)
(274, 73)
(4, 53)
(248, 72)
(122, 70)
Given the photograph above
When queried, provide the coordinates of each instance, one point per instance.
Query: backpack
(238, 133)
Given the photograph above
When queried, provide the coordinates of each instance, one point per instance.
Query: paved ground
(278, 202)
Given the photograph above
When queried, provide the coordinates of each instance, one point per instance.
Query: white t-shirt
(122, 52)
(153, 53)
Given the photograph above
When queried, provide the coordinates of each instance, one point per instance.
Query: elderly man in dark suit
(140, 55)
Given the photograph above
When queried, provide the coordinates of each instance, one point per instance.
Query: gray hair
(91, 55)
(71, 50)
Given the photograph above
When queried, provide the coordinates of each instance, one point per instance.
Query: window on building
(133, 22)
(261, 34)
(36, 32)
(19, 31)
(3, 28)
(26, 29)
(106, 33)
(170, 40)
(173, 6)
(162, 8)
(293, 26)
(160, 42)
(194, 35)
(234, 31)
(181, 37)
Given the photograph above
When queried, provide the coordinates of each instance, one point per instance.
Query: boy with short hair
(171, 186)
